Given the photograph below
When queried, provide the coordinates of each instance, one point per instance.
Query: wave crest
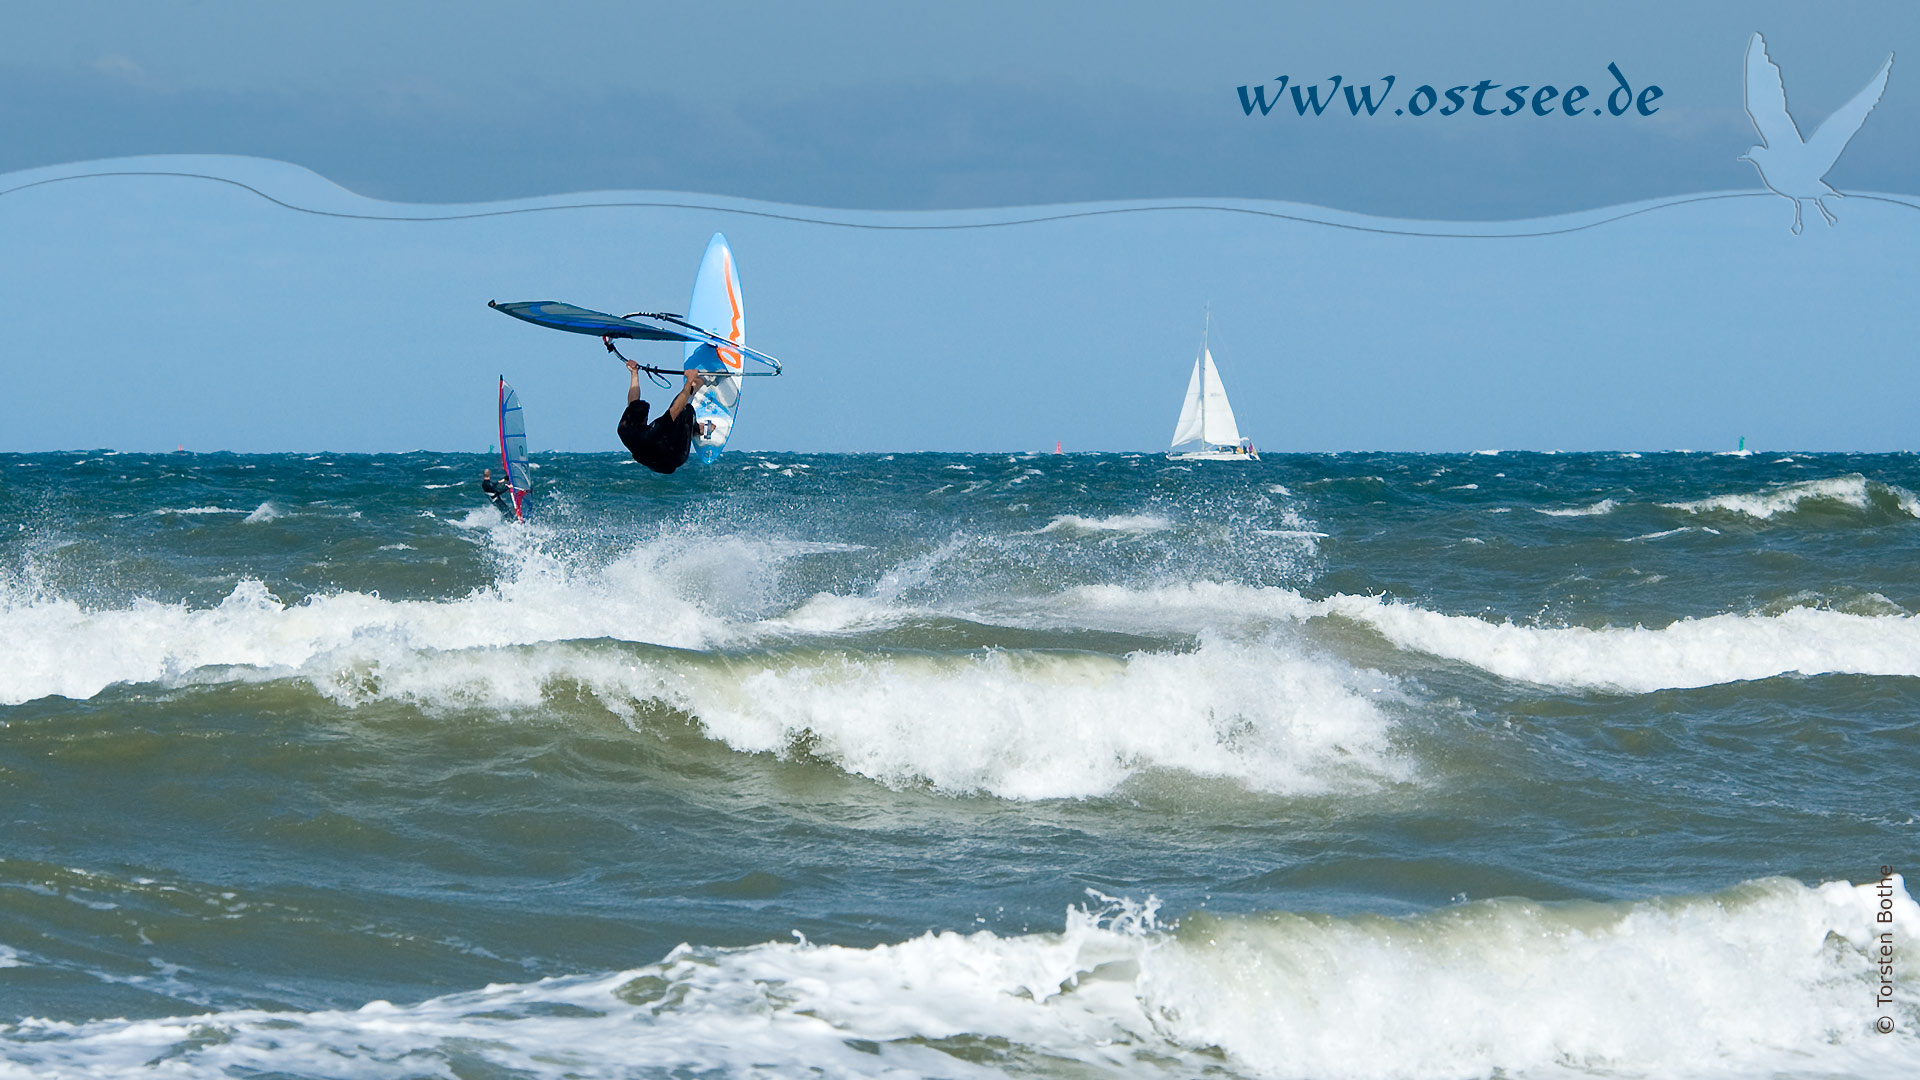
(1686, 653)
(1854, 492)
(1010, 723)
(1770, 976)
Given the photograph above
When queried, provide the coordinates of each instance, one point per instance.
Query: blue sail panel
(555, 315)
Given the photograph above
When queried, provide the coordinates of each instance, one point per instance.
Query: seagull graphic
(1790, 166)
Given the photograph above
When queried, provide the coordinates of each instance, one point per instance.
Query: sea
(1320, 766)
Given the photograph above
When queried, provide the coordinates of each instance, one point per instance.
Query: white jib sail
(1218, 426)
(1189, 427)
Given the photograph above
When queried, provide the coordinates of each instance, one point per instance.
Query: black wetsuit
(662, 445)
(498, 495)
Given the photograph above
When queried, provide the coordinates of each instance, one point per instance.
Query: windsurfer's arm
(633, 370)
(686, 391)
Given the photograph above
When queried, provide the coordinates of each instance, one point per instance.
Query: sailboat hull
(1212, 455)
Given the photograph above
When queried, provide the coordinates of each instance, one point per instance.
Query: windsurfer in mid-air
(664, 444)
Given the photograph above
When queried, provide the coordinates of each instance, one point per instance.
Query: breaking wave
(1686, 653)
(1770, 977)
(1016, 724)
(1854, 491)
(720, 593)
(658, 628)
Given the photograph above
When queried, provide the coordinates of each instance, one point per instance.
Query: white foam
(1686, 653)
(1671, 532)
(1853, 490)
(833, 613)
(1189, 608)
(1745, 983)
(663, 592)
(9, 958)
(781, 549)
(1052, 725)
(190, 511)
(1604, 506)
(478, 518)
(1117, 523)
(1767, 978)
(266, 511)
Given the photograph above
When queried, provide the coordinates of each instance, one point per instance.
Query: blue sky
(1686, 328)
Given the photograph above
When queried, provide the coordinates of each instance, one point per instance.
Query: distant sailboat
(1206, 424)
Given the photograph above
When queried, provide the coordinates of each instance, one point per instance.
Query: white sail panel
(1188, 429)
(1220, 430)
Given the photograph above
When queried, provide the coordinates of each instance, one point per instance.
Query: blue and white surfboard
(717, 308)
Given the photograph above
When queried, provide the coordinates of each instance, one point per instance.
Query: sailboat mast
(1205, 328)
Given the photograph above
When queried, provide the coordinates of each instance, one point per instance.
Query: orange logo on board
(733, 298)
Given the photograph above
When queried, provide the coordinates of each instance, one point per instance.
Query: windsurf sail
(639, 325)
(513, 448)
